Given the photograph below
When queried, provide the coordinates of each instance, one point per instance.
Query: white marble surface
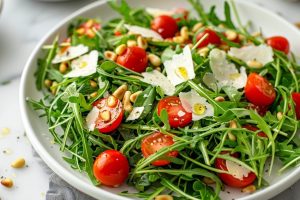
(22, 24)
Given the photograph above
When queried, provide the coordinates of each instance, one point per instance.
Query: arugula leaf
(146, 100)
(44, 65)
(227, 13)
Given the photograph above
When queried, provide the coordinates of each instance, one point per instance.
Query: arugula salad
(177, 103)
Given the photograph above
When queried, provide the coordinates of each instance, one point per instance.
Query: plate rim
(93, 191)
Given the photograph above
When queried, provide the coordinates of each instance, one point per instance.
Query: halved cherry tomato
(279, 43)
(229, 179)
(110, 115)
(259, 90)
(296, 99)
(154, 142)
(118, 33)
(212, 38)
(254, 128)
(134, 58)
(261, 110)
(111, 168)
(183, 14)
(178, 116)
(165, 25)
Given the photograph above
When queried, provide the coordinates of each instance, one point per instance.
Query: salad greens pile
(69, 99)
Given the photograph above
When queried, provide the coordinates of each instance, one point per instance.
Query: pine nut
(19, 163)
(121, 49)
(164, 197)
(231, 35)
(7, 182)
(184, 32)
(131, 43)
(53, 87)
(232, 124)
(110, 55)
(219, 99)
(231, 136)
(119, 93)
(178, 39)
(203, 51)
(221, 26)
(48, 83)
(105, 115)
(279, 115)
(158, 69)
(80, 31)
(249, 189)
(112, 101)
(94, 95)
(63, 67)
(141, 42)
(134, 96)
(126, 102)
(224, 47)
(90, 33)
(154, 60)
(254, 64)
(196, 27)
(93, 84)
(89, 23)
(208, 180)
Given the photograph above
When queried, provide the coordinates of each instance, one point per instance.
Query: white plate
(37, 129)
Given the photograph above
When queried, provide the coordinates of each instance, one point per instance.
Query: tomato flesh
(261, 110)
(165, 25)
(254, 128)
(212, 38)
(111, 168)
(116, 115)
(178, 116)
(259, 90)
(134, 58)
(279, 43)
(154, 142)
(229, 179)
(296, 99)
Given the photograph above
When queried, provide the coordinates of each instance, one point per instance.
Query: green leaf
(167, 54)
(227, 13)
(44, 65)
(146, 100)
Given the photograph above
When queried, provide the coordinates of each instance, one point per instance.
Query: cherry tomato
(296, 99)
(212, 38)
(229, 179)
(254, 128)
(165, 25)
(134, 58)
(110, 114)
(279, 43)
(154, 142)
(261, 110)
(178, 116)
(183, 14)
(111, 168)
(259, 90)
(117, 33)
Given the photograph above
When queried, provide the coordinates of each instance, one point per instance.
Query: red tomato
(296, 99)
(229, 179)
(111, 168)
(134, 58)
(183, 14)
(261, 110)
(165, 25)
(154, 142)
(254, 128)
(279, 43)
(178, 116)
(212, 38)
(118, 33)
(110, 115)
(259, 90)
